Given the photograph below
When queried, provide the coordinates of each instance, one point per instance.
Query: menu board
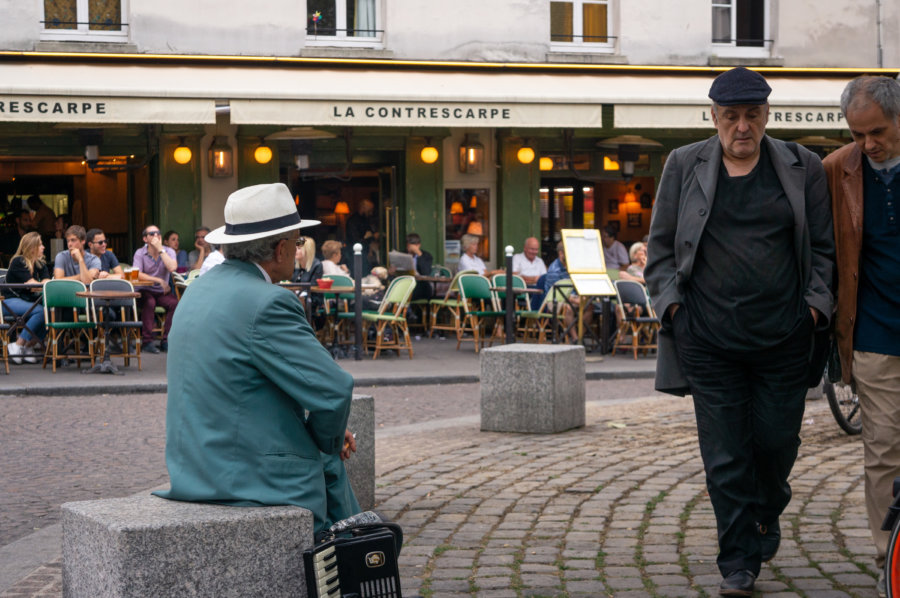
(584, 252)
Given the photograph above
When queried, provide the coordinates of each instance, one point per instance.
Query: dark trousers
(749, 408)
(149, 301)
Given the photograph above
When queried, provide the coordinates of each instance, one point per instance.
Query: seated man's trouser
(749, 408)
(339, 498)
(149, 301)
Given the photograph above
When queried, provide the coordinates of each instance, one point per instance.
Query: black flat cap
(739, 86)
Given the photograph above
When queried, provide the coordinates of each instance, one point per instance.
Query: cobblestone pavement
(618, 508)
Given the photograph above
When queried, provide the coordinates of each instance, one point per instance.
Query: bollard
(357, 300)
(510, 303)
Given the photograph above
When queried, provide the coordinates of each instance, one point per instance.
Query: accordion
(363, 565)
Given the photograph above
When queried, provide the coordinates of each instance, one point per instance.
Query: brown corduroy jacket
(844, 171)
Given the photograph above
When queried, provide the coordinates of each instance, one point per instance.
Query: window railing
(589, 39)
(743, 42)
(56, 25)
(349, 33)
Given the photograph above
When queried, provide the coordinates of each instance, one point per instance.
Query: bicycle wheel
(892, 563)
(844, 406)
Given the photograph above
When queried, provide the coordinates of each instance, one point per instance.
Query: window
(85, 20)
(344, 22)
(739, 23)
(581, 24)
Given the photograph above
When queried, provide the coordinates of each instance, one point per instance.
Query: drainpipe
(878, 25)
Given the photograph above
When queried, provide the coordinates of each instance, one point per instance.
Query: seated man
(422, 261)
(109, 264)
(559, 271)
(155, 263)
(530, 267)
(74, 263)
(212, 260)
(259, 415)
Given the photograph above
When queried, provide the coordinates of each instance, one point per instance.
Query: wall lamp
(525, 155)
(429, 153)
(182, 153)
(545, 163)
(263, 153)
(629, 148)
(471, 155)
(221, 158)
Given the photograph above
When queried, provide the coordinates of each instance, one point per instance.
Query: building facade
(538, 115)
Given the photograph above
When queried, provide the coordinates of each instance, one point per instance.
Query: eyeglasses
(301, 241)
(101, 242)
(199, 237)
(152, 233)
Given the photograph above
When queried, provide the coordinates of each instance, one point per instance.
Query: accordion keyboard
(325, 570)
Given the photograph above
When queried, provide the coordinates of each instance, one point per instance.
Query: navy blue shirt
(878, 297)
(108, 261)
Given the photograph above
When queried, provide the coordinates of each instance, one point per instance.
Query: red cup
(324, 283)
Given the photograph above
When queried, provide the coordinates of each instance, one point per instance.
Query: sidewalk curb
(158, 387)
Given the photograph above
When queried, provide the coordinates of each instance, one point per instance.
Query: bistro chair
(63, 311)
(391, 316)
(638, 319)
(4, 337)
(125, 320)
(335, 330)
(451, 304)
(534, 325)
(478, 310)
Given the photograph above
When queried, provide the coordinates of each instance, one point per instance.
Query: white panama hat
(256, 212)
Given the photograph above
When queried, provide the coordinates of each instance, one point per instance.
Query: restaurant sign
(388, 114)
(699, 117)
(98, 110)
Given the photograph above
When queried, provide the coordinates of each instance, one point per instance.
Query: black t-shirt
(744, 291)
(18, 272)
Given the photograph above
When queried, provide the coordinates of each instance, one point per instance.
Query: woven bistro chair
(478, 311)
(59, 300)
(451, 305)
(127, 322)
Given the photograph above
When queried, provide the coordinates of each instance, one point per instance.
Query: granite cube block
(361, 464)
(144, 546)
(532, 388)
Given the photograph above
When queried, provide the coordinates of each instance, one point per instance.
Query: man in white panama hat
(257, 408)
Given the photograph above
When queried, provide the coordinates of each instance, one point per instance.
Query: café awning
(176, 93)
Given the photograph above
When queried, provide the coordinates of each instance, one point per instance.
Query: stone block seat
(144, 546)
(532, 388)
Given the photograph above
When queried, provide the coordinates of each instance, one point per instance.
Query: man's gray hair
(257, 250)
(881, 91)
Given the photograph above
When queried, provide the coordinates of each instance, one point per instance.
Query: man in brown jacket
(864, 178)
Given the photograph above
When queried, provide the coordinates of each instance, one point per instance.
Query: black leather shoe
(151, 348)
(769, 541)
(737, 583)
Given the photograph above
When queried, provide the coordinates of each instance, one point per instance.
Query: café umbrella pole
(357, 300)
(510, 304)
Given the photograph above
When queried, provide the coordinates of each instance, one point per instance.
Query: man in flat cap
(864, 178)
(741, 271)
(257, 408)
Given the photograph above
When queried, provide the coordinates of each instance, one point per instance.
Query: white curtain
(364, 21)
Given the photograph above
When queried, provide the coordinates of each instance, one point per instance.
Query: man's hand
(815, 315)
(76, 254)
(349, 445)
(164, 284)
(103, 274)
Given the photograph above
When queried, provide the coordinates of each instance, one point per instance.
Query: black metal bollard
(357, 300)
(510, 300)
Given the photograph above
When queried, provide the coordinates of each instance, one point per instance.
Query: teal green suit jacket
(257, 408)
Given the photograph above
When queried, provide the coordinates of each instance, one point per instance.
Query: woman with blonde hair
(26, 266)
(307, 267)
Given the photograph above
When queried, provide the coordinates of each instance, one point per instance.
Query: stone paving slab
(618, 508)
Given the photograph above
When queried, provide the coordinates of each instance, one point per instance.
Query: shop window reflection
(467, 211)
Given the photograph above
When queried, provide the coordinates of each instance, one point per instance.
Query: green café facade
(505, 151)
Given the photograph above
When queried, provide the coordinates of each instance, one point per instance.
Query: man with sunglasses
(98, 246)
(155, 263)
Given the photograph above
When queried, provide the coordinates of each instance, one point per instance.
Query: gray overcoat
(683, 203)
